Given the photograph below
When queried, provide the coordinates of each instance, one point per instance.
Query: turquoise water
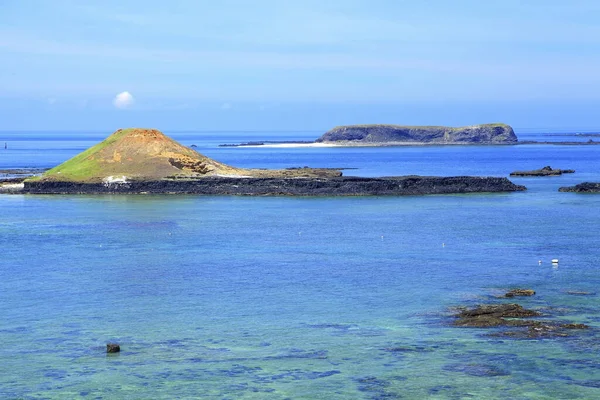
(287, 298)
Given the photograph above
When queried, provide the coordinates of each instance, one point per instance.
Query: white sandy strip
(355, 144)
(295, 145)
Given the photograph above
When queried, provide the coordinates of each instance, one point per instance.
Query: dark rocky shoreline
(585, 187)
(339, 186)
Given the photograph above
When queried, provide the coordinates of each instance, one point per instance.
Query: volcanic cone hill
(148, 154)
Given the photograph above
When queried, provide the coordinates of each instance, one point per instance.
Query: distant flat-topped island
(385, 135)
(401, 135)
(145, 161)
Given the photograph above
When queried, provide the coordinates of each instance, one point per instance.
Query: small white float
(555, 261)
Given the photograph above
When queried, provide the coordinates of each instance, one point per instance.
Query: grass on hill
(81, 167)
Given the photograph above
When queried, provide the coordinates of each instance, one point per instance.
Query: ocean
(299, 298)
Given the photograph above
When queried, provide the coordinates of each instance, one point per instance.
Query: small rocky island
(147, 161)
(585, 187)
(546, 171)
(398, 135)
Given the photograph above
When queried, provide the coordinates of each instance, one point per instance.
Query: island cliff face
(397, 134)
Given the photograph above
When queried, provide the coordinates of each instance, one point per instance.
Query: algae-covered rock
(519, 292)
(492, 315)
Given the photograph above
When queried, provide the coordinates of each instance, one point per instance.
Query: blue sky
(295, 65)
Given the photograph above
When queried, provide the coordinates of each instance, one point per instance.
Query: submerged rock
(475, 369)
(579, 293)
(519, 292)
(546, 171)
(539, 329)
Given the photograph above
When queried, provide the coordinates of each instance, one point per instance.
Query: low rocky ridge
(546, 171)
(585, 187)
(509, 320)
(312, 186)
(390, 134)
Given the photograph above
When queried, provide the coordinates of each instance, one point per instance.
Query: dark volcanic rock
(537, 330)
(508, 318)
(519, 292)
(546, 171)
(585, 187)
(113, 348)
(374, 134)
(12, 180)
(335, 186)
(485, 316)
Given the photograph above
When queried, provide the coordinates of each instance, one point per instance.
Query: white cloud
(123, 100)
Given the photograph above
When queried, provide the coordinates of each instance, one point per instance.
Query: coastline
(399, 144)
(236, 186)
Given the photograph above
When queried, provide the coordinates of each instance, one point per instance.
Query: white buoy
(555, 261)
(540, 262)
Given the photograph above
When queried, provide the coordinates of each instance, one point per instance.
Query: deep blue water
(277, 298)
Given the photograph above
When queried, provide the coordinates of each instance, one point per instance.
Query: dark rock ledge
(546, 171)
(337, 186)
(585, 187)
(509, 320)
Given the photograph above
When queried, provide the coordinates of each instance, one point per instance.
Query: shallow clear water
(274, 298)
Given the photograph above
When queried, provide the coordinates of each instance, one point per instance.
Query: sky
(298, 65)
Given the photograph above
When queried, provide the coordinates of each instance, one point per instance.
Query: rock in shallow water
(113, 348)
(519, 292)
(492, 315)
(546, 171)
(511, 316)
(585, 187)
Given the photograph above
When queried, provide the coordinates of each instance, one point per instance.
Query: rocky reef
(398, 134)
(311, 186)
(508, 320)
(585, 187)
(546, 171)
